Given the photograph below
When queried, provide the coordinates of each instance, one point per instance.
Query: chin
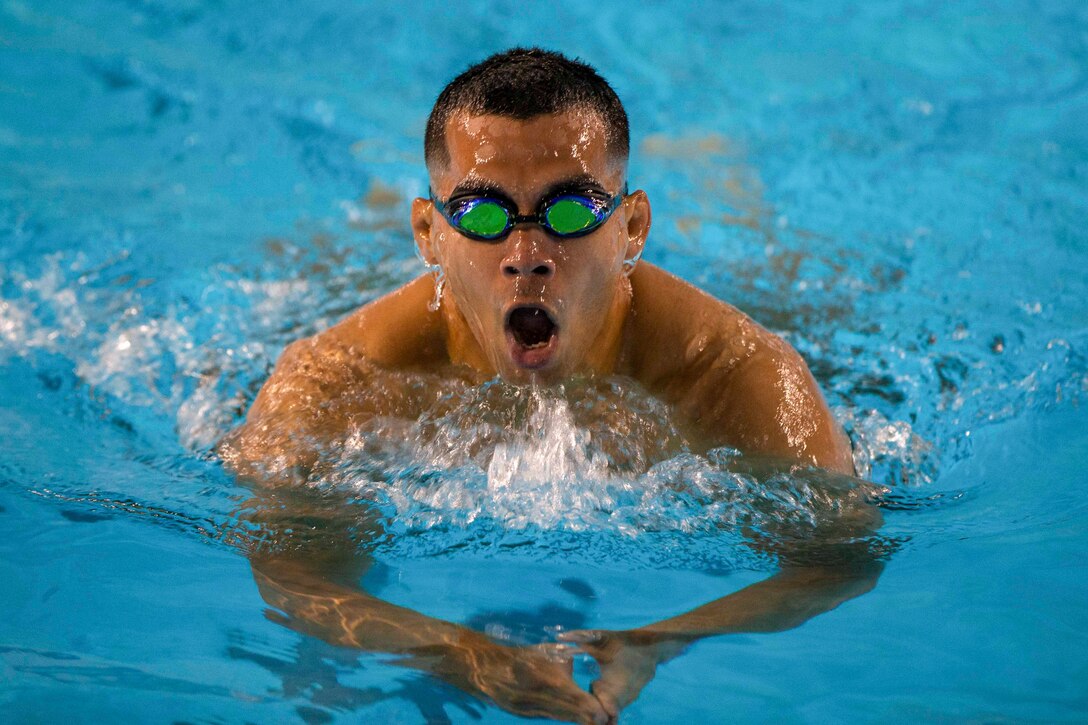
(553, 371)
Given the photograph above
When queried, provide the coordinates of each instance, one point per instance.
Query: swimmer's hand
(628, 661)
(528, 681)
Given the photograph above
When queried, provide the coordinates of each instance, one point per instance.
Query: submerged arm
(307, 549)
(786, 600)
(308, 564)
(838, 564)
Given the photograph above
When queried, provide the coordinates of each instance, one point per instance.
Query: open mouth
(530, 326)
(532, 332)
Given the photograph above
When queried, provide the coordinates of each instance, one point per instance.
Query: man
(533, 242)
(534, 245)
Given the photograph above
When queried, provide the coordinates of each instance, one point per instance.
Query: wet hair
(523, 83)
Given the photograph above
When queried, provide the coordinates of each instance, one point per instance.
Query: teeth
(537, 345)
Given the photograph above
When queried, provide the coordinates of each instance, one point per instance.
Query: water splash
(549, 470)
(495, 465)
(888, 451)
(519, 456)
(492, 468)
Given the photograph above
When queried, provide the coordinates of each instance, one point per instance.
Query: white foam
(549, 472)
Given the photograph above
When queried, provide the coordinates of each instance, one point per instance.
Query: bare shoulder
(679, 329)
(395, 331)
(734, 381)
(322, 386)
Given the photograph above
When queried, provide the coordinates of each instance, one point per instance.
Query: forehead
(523, 156)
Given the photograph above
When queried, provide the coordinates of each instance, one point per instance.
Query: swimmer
(533, 237)
(534, 242)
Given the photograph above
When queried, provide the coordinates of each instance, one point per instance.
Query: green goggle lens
(486, 219)
(567, 216)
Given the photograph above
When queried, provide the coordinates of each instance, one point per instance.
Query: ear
(422, 215)
(638, 224)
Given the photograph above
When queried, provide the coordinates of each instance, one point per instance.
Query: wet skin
(579, 282)
(729, 381)
(310, 550)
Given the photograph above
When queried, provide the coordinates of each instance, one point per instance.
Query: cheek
(463, 278)
(594, 265)
(468, 281)
(592, 287)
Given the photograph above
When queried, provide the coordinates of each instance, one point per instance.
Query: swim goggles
(565, 215)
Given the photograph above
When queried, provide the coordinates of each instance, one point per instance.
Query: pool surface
(898, 188)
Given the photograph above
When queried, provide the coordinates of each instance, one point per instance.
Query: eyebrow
(483, 187)
(477, 187)
(581, 182)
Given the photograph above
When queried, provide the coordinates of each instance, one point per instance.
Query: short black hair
(523, 83)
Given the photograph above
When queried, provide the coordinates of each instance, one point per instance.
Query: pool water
(898, 188)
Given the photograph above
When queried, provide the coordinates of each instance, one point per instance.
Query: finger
(559, 652)
(582, 636)
(593, 711)
(617, 688)
(571, 702)
(273, 616)
(607, 700)
(601, 644)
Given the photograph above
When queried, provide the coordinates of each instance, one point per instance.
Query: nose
(527, 257)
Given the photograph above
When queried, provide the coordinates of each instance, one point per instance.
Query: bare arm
(841, 560)
(530, 681)
(308, 550)
(784, 601)
(629, 659)
(769, 403)
(308, 556)
(315, 395)
(325, 386)
(733, 382)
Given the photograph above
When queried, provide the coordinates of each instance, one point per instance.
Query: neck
(607, 352)
(461, 345)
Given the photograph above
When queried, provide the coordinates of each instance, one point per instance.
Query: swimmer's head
(529, 224)
(523, 83)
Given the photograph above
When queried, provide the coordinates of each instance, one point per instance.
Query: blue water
(897, 187)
